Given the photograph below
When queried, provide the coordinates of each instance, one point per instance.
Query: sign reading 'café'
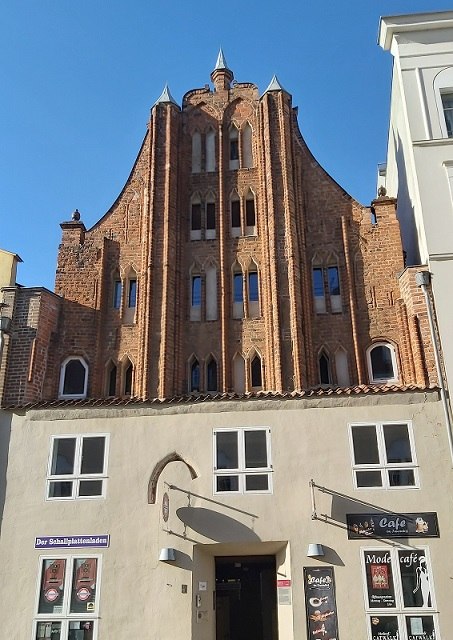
(392, 525)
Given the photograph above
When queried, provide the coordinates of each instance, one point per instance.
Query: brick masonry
(303, 219)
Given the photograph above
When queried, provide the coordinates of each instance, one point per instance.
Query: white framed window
(73, 378)
(383, 455)
(242, 460)
(67, 603)
(77, 467)
(447, 106)
(381, 361)
(399, 594)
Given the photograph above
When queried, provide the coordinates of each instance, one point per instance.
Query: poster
(320, 604)
(379, 578)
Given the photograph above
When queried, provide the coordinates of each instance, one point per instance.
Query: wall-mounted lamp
(315, 550)
(167, 554)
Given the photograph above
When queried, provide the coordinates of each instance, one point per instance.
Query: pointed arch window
(196, 152)
(234, 147)
(210, 217)
(210, 150)
(128, 378)
(256, 372)
(238, 292)
(73, 378)
(211, 375)
(195, 296)
(342, 368)
(117, 291)
(253, 292)
(131, 291)
(195, 218)
(238, 373)
(211, 292)
(194, 376)
(250, 214)
(324, 369)
(235, 206)
(111, 379)
(247, 154)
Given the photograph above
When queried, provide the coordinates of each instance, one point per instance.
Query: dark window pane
(397, 445)
(250, 212)
(60, 489)
(74, 378)
(117, 294)
(132, 297)
(384, 627)
(128, 380)
(381, 363)
(365, 444)
(256, 482)
(255, 449)
(196, 291)
(447, 102)
(415, 578)
(51, 594)
(63, 456)
(318, 283)
(368, 478)
(195, 376)
(82, 630)
(420, 627)
(210, 215)
(92, 455)
(256, 373)
(112, 381)
(253, 286)
(235, 213)
(324, 373)
(227, 483)
(227, 450)
(401, 477)
(237, 287)
(90, 488)
(234, 150)
(334, 281)
(83, 591)
(196, 217)
(212, 375)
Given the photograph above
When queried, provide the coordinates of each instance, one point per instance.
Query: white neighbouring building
(419, 170)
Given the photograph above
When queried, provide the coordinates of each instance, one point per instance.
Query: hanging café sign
(392, 525)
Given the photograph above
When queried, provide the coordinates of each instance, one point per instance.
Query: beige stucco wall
(141, 597)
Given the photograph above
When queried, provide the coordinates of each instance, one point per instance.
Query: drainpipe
(423, 279)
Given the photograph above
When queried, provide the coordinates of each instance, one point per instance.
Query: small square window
(77, 467)
(383, 455)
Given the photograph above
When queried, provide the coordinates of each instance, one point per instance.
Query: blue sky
(78, 81)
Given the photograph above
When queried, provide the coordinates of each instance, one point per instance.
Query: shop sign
(71, 542)
(392, 525)
(320, 603)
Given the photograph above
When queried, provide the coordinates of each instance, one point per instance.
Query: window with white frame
(447, 105)
(77, 467)
(399, 596)
(73, 378)
(383, 455)
(68, 598)
(381, 362)
(242, 462)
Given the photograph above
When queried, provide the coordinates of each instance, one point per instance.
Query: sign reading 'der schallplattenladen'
(71, 542)
(392, 525)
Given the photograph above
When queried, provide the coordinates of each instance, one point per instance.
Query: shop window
(381, 363)
(399, 593)
(68, 598)
(242, 461)
(211, 375)
(383, 455)
(77, 467)
(73, 378)
(234, 147)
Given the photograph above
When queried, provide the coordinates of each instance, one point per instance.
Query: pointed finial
(221, 61)
(166, 97)
(275, 85)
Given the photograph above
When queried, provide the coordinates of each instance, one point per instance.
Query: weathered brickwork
(304, 220)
